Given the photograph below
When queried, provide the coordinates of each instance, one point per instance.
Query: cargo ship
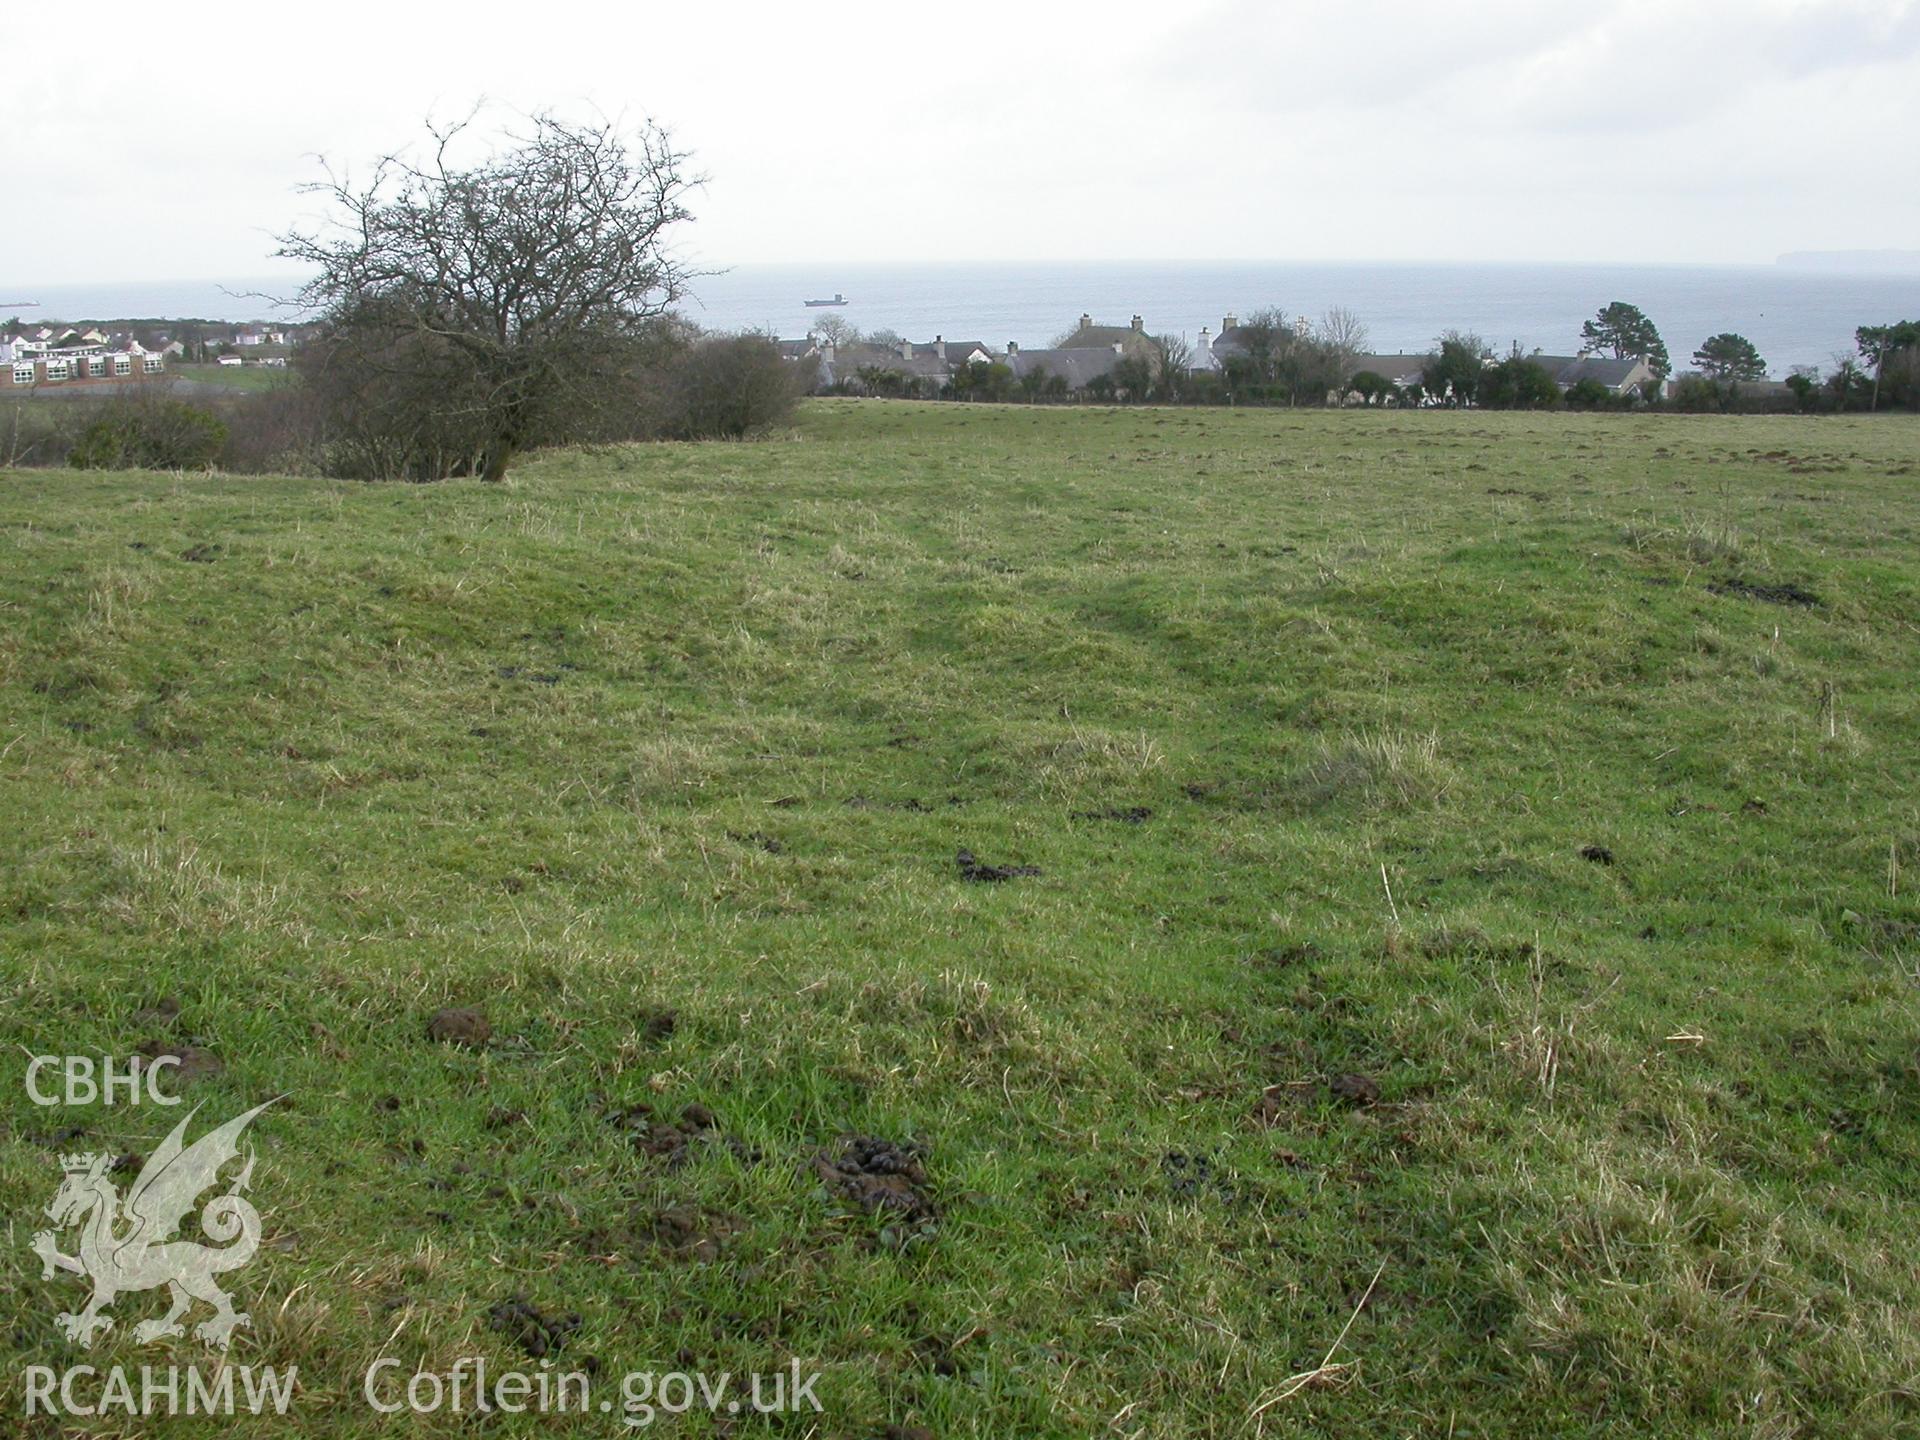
(838, 299)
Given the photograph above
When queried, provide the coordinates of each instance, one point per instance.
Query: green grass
(700, 729)
(233, 377)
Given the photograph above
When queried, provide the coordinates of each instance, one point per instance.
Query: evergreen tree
(1730, 357)
(1622, 331)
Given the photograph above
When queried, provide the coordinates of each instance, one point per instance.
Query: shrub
(1697, 393)
(986, 380)
(1370, 386)
(1588, 395)
(150, 435)
(273, 432)
(392, 408)
(729, 387)
(878, 380)
(1762, 398)
(1518, 383)
(1203, 387)
(1453, 372)
(402, 413)
(37, 434)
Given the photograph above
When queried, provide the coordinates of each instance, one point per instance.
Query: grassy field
(230, 377)
(1464, 984)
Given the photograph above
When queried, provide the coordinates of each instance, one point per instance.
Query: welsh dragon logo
(127, 1245)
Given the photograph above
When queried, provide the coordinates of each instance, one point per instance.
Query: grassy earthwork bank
(1437, 955)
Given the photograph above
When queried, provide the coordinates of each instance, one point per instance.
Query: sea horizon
(1794, 315)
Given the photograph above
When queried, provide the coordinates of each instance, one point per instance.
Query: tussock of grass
(1382, 768)
(667, 766)
(1713, 543)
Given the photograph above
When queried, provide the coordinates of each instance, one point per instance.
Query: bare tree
(836, 330)
(1172, 360)
(1342, 331)
(512, 283)
(1340, 338)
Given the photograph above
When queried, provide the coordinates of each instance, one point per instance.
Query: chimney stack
(1228, 323)
(1138, 325)
(906, 349)
(1013, 349)
(1086, 321)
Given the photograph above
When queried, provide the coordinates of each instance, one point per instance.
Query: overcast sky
(147, 141)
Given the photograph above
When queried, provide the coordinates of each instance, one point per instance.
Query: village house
(1202, 360)
(955, 353)
(1087, 353)
(1077, 365)
(37, 342)
(1131, 339)
(930, 365)
(154, 342)
(1621, 377)
(1236, 341)
(845, 364)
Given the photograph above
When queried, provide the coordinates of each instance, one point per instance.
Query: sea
(1795, 316)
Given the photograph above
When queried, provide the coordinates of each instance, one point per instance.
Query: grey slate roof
(848, 361)
(1232, 342)
(1101, 337)
(1568, 370)
(1074, 365)
(954, 352)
